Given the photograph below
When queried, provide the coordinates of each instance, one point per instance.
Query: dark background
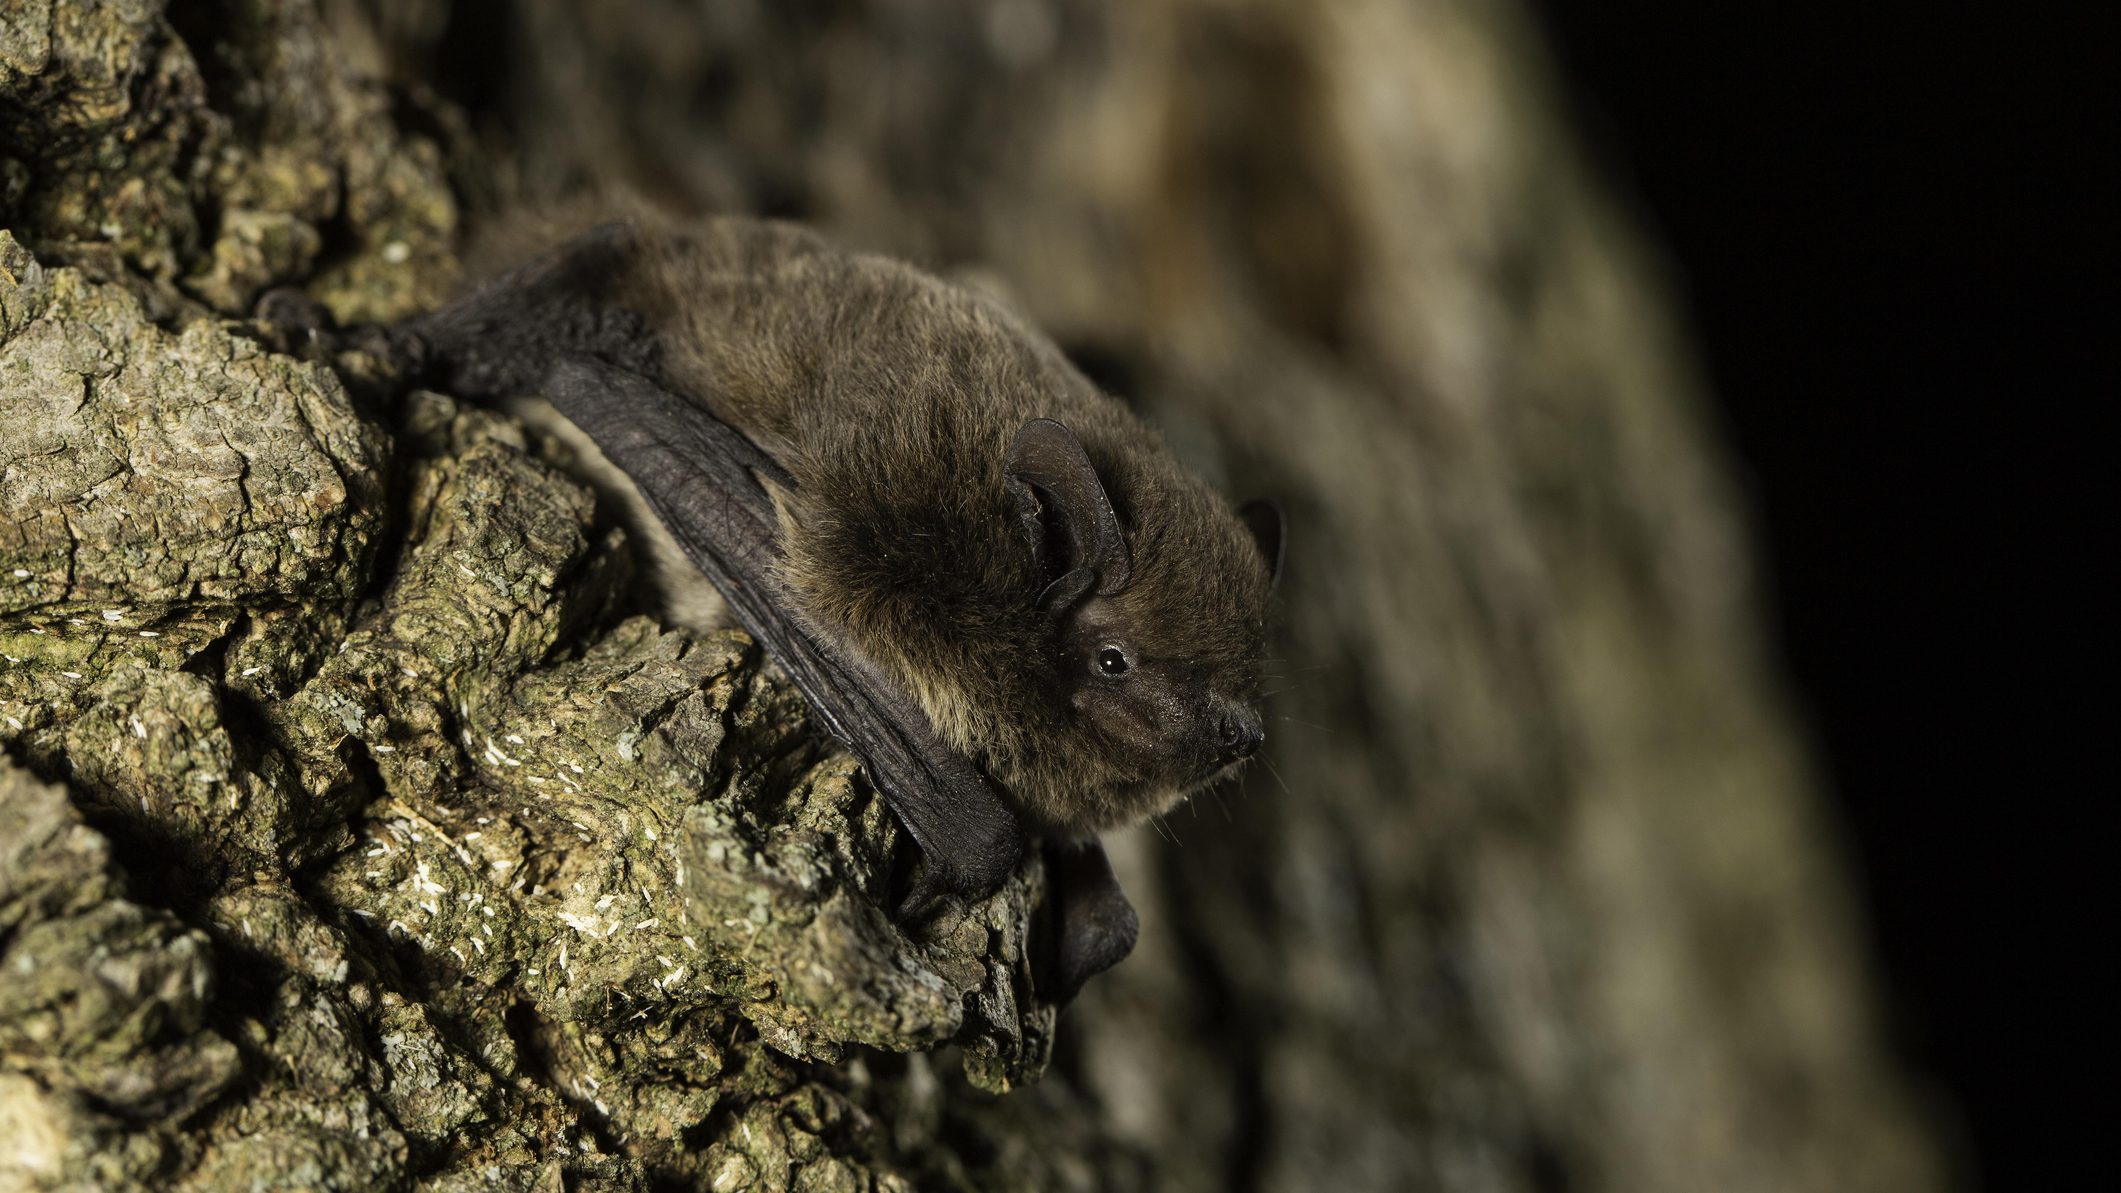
(1884, 229)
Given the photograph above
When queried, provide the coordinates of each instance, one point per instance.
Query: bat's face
(1179, 717)
(1160, 630)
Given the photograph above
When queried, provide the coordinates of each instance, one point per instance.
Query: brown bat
(989, 579)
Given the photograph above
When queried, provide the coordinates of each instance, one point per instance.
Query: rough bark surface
(357, 830)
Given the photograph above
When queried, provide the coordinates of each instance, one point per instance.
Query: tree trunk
(357, 832)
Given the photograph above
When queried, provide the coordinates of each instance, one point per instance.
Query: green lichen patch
(146, 471)
(156, 755)
(220, 148)
(104, 1003)
(54, 667)
(497, 563)
(812, 1139)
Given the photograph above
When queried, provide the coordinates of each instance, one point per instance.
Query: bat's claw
(921, 895)
(289, 311)
(937, 877)
(298, 323)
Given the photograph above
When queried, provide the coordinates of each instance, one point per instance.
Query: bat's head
(1158, 630)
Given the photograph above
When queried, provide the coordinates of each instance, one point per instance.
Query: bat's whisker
(1277, 776)
(1164, 830)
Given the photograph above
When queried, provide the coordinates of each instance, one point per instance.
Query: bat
(989, 579)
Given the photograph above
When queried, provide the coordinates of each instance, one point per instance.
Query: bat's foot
(301, 326)
(920, 884)
(924, 877)
(1086, 926)
(1089, 925)
(295, 320)
(921, 895)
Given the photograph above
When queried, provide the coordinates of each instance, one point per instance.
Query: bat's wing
(501, 338)
(704, 480)
(1093, 925)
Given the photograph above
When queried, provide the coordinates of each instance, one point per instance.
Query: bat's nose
(1240, 735)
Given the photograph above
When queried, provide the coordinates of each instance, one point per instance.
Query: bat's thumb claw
(921, 894)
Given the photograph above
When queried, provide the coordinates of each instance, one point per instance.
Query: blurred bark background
(1536, 893)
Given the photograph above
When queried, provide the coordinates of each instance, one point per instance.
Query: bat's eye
(1112, 661)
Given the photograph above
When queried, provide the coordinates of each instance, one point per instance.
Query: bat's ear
(1065, 511)
(1262, 517)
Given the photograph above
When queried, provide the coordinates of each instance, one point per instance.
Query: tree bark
(357, 832)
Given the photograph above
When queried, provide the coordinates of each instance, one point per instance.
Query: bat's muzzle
(1240, 735)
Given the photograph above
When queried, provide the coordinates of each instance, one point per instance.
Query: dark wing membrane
(502, 337)
(1093, 924)
(703, 479)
